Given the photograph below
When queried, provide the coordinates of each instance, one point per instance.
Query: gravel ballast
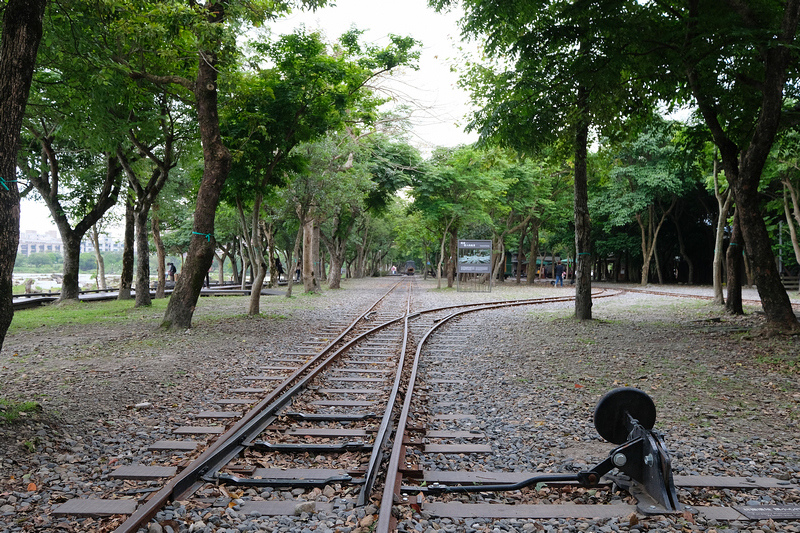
(727, 401)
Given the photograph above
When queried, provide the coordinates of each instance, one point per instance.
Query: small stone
(304, 507)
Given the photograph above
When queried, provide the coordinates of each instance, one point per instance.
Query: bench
(791, 283)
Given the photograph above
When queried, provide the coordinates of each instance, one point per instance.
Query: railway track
(344, 415)
(795, 306)
(316, 417)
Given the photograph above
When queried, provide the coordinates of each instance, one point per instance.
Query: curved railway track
(323, 417)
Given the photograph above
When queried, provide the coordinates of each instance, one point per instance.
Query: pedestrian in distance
(297, 272)
(171, 270)
(279, 268)
(560, 273)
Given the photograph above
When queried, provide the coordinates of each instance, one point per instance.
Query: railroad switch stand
(624, 416)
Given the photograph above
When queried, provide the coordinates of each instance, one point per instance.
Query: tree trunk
(534, 254)
(337, 260)
(774, 299)
(274, 274)
(22, 31)
(126, 278)
(646, 235)
(70, 290)
(520, 254)
(217, 160)
(142, 258)
(659, 273)
(230, 253)
(100, 276)
(295, 253)
(789, 221)
(256, 255)
(221, 265)
(733, 305)
(160, 253)
(650, 233)
(451, 261)
(319, 268)
(47, 184)
(583, 241)
(724, 206)
(246, 264)
(255, 290)
(682, 250)
(310, 282)
(439, 271)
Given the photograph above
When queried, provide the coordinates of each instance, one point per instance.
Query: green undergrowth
(78, 313)
(115, 312)
(11, 412)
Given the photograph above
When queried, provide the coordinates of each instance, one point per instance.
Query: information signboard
(474, 256)
(474, 265)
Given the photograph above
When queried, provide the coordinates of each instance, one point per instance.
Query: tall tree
(560, 69)
(93, 185)
(158, 38)
(739, 66)
(649, 176)
(157, 145)
(22, 32)
(457, 187)
(312, 87)
(76, 120)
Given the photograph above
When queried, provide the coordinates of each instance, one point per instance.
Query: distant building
(31, 242)
(107, 244)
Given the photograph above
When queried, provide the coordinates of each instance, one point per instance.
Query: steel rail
(270, 413)
(385, 522)
(384, 431)
(189, 479)
(689, 295)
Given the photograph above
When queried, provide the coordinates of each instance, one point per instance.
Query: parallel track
(375, 343)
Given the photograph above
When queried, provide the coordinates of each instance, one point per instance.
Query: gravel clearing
(727, 402)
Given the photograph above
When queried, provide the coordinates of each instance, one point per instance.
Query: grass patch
(78, 313)
(11, 412)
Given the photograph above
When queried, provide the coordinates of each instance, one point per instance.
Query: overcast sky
(439, 105)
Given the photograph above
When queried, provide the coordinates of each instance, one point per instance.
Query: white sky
(439, 105)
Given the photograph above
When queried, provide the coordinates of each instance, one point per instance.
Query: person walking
(560, 272)
(171, 270)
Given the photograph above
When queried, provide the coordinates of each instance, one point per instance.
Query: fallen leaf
(31, 487)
